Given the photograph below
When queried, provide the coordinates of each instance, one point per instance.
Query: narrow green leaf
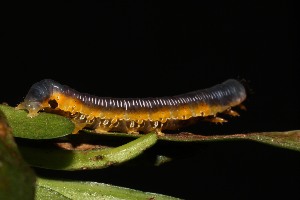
(92, 190)
(86, 159)
(285, 139)
(46, 193)
(17, 180)
(43, 126)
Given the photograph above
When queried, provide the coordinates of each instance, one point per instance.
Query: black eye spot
(53, 104)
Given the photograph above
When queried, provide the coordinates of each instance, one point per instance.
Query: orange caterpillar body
(133, 115)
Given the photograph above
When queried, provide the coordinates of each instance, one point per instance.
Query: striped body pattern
(132, 115)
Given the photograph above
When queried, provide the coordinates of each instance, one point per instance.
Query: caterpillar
(133, 115)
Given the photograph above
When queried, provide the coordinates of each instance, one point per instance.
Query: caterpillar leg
(103, 125)
(242, 107)
(159, 133)
(215, 120)
(20, 106)
(32, 112)
(231, 113)
(78, 126)
(157, 127)
(102, 129)
(122, 126)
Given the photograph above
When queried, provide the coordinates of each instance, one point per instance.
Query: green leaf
(54, 158)
(285, 139)
(43, 126)
(46, 193)
(92, 190)
(17, 180)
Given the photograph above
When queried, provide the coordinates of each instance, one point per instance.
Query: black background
(147, 48)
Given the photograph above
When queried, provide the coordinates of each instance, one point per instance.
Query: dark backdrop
(146, 48)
